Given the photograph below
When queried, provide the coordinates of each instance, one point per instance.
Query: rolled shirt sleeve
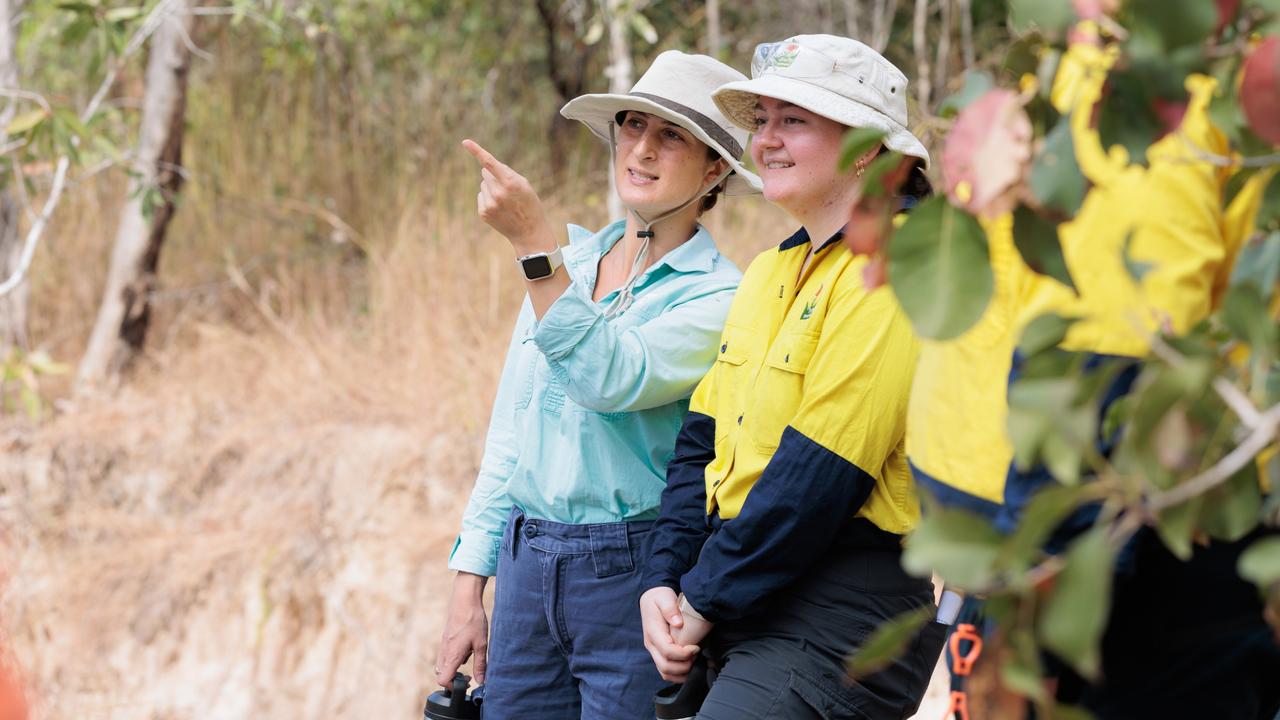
(654, 363)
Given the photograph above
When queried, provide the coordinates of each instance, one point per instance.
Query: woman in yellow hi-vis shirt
(790, 492)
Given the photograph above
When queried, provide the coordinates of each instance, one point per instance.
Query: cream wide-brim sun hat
(677, 87)
(838, 78)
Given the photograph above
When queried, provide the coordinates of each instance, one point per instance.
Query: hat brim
(737, 100)
(599, 110)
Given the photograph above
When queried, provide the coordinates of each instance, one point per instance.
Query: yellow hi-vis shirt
(822, 355)
(956, 438)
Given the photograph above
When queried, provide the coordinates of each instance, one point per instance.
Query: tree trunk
(919, 42)
(125, 313)
(13, 306)
(567, 71)
(620, 74)
(713, 29)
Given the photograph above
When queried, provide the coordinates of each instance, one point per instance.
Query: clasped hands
(673, 638)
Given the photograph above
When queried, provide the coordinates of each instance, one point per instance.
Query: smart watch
(540, 266)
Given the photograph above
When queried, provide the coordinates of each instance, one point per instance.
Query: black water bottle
(453, 704)
(682, 702)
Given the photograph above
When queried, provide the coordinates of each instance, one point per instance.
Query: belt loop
(513, 530)
(610, 549)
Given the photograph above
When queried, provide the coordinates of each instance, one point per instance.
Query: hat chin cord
(625, 295)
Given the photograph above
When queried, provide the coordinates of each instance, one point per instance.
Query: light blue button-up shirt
(588, 409)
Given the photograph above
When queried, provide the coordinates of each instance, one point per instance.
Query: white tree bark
(919, 26)
(620, 72)
(123, 318)
(13, 305)
(714, 42)
(882, 23)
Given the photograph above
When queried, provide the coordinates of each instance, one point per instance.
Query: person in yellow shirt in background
(1184, 639)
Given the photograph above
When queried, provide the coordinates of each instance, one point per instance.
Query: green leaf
(940, 270)
(1176, 525)
(1022, 670)
(888, 642)
(1075, 614)
(976, 84)
(960, 546)
(1245, 313)
(1045, 512)
(1127, 116)
(1070, 712)
(1050, 17)
(124, 14)
(1259, 262)
(1171, 25)
(1260, 563)
(644, 28)
(1056, 180)
(858, 142)
(1231, 510)
(26, 121)
(1037, 241)
(1044, 332)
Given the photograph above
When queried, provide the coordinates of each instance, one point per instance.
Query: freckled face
(660, 165)
(796, 153)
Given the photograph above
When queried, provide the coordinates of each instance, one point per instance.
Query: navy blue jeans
(566, 640)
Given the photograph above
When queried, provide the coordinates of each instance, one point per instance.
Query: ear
(714, 169)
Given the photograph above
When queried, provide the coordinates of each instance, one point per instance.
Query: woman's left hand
(508, 204)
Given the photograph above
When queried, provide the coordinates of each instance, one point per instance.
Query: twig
(1235, 398)
(253, 14)
(149, 26)
(1264, 433)
(1225, 161)
(20, 94)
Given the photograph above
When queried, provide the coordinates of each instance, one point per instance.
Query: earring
(861, 167)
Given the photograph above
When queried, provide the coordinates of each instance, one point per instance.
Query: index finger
(490, 163)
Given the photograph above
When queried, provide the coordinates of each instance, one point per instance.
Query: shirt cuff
(566, 322)
(475, 552)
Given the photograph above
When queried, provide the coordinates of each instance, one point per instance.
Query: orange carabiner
(959, 707)
(963, 664)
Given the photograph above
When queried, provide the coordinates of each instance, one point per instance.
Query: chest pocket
(780, 387)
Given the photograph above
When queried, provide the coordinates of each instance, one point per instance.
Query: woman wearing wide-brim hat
(789, 495)
(617, 329)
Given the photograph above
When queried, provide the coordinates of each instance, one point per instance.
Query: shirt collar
(801, 237)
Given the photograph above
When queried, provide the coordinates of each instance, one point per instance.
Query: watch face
(537, 267)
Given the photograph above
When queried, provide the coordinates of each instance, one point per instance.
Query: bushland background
(245, 509)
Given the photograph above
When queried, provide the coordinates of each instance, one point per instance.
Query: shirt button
(787, 358)
(724, 347)
(715, 484)
(739, 419)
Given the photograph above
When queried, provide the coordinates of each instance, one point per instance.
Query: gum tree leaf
(1045, 512)
(976, 84)
(1049, 17)
(26, 121)
(1260, 563)
(1075, 614)
(987, 154)
(1244, 312)
(1259, 262)
(940, 269)
(1170, 26)
(888, 642)
(858, 142)
(1231, 510)
(1056, 180)
(1044, 332)
(1260, 90)
(960, 546)
(1037, 241)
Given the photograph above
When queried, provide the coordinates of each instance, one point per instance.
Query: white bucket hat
(836, 77)
(676, 87)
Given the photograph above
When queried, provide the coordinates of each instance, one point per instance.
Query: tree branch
(1263, 434)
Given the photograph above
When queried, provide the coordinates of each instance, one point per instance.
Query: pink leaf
(987, 154)
(1260, 90)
